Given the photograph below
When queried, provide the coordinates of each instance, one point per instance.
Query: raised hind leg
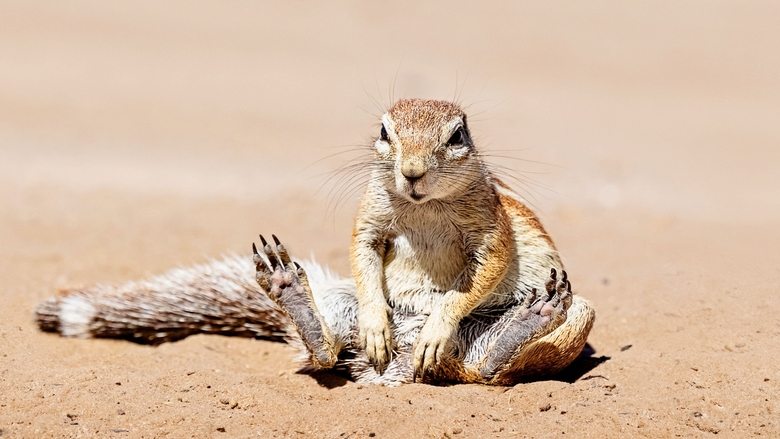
(553, 352)
(496, 350)
(287, 284)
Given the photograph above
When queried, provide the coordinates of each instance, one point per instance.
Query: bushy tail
(219, 297)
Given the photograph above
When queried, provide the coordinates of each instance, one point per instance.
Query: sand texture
(137, 136)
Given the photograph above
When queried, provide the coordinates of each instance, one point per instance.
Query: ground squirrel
(454, 278)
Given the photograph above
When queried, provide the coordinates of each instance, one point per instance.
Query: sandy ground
(136, 137)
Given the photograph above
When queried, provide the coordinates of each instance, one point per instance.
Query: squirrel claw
(256, 257)
(281, 251)
(260, 264)
(277, 256)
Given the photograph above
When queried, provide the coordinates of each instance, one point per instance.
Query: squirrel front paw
(431, 346)
(376, 337)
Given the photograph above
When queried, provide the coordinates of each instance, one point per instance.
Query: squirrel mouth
(416, 196)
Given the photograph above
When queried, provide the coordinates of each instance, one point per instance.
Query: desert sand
(137, 136)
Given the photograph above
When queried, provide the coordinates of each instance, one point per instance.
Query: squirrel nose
(413, 175)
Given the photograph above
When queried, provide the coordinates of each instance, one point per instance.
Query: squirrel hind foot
(523, 326)
(286, 283)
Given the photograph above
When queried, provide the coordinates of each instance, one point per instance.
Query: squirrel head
(429, 148)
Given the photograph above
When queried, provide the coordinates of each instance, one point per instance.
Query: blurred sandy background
(135, 136)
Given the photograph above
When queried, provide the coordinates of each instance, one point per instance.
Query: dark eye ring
(383, 134)
(457, 138)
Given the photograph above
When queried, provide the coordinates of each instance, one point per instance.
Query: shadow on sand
(585, 362)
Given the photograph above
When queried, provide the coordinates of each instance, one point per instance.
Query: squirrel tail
(218, 297)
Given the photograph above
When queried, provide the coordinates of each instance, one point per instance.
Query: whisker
(491, 154)
(347, 192)
(334, 202)
(344, 180)
(510, 169)
(525, 180)
(377, 105)
(348, 149)
(395, 81)
(345, 171)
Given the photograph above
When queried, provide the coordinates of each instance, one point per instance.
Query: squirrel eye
(383, 134)
(457, 137)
